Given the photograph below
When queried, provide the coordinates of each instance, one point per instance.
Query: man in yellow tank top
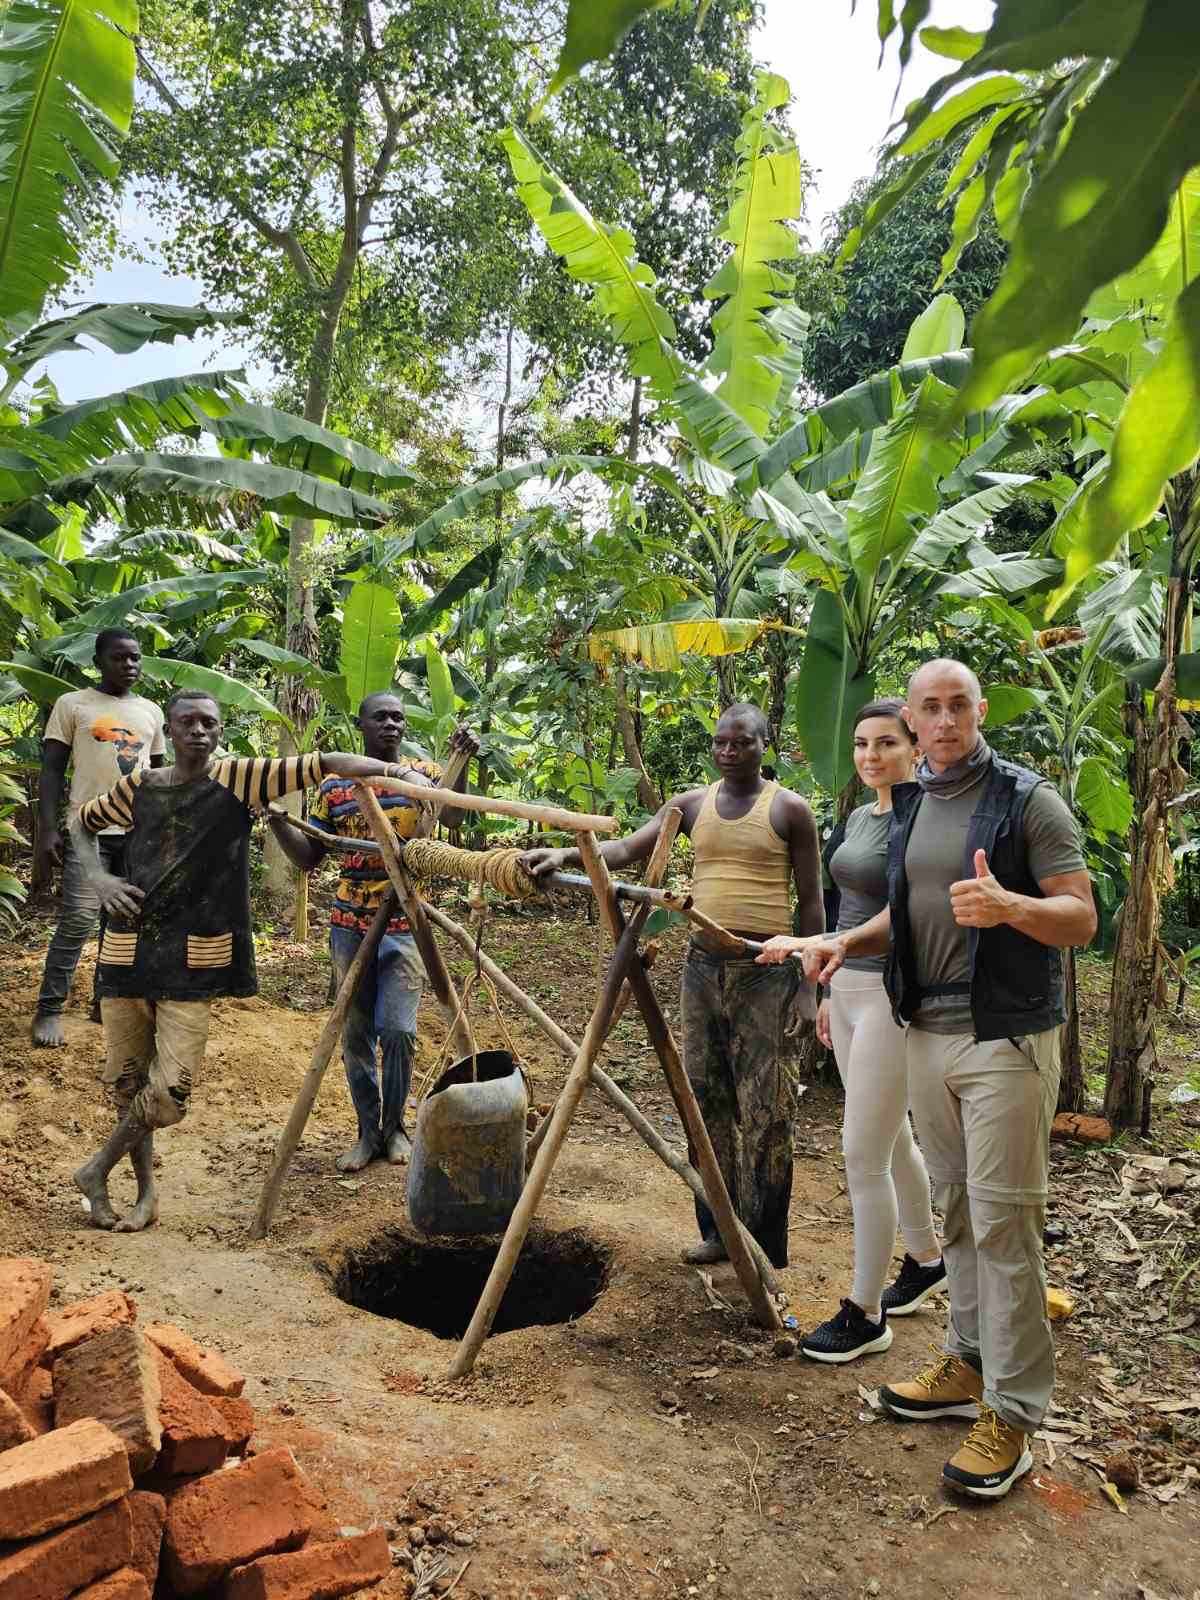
(753, 840)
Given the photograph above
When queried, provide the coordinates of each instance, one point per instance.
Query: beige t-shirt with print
(109, 736)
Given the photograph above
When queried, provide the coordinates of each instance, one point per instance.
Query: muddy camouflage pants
(735, 1050)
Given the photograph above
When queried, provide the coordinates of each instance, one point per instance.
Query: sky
(842, 110)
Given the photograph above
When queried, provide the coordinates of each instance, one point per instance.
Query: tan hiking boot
(946, 1388)
(990, 1459)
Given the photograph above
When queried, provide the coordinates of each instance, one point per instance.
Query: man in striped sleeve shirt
(179, 932)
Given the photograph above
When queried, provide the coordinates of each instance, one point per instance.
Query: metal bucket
(468, 1161)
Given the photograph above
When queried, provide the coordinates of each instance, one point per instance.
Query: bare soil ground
(656, 1447)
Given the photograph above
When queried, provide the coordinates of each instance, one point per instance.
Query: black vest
(1016, 983)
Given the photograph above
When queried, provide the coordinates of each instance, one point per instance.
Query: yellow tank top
(743, 868)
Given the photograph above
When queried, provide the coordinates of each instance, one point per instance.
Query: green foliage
(594, 29)
(827, 693)
(370, 640)
(66, 96)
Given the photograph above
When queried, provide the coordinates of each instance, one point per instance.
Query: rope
(499, 869)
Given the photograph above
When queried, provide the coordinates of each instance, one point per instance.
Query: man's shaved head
(939, 668)
(370, 700)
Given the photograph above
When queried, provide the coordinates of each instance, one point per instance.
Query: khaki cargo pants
(153, 1050)
(983, 1113)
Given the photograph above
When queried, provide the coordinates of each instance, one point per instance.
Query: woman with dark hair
(885, 1172)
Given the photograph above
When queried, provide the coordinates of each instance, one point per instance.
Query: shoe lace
(985, 1437)
(937, 1370)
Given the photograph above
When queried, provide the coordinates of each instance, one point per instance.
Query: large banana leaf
(859, 409)
(290, 441)
(203, 585)
(1158, 435)
(140, 416)
(212, 492)
(44, 687)
(469, 577)
(965, 519)
(899, 484)
(331, 684)
(766, 196)
(226, 691)
(594, 30)
(119, 328)
(826, 694)
(715, 428)
(603, 257)
(66, 97)
(659, 645)
(1103, 796)
(1161, 276)
(1128, 606)
(370, 640)
(1101, 204)
(441, 684)
(938, 329)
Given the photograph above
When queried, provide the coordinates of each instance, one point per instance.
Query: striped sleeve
(261, 779)
(111, 810)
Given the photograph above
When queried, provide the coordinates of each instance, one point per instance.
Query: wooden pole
(321, 1056)
(765, 1309)
(440, 980)
(548, 816)
(535, 1184)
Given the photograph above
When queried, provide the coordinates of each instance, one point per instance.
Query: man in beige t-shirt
(105, 733)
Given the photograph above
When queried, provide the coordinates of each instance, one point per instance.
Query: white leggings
(885, 1172)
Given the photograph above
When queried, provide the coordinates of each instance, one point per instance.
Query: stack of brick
(127, 1469)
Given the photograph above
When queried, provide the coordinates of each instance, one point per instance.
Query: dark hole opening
(436, 1283)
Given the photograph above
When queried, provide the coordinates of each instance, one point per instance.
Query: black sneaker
(847, 1336)
(913, 1286)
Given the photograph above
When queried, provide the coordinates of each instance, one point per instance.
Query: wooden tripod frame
(626, 975)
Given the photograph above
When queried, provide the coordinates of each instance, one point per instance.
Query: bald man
(986, 885)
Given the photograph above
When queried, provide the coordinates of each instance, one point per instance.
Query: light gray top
(934, 860)
(859, 868)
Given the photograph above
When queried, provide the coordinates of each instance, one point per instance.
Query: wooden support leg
(440, 980)
(321, 1056)
(535, 1184)
(765, 1310)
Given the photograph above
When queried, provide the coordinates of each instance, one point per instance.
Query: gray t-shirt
(859, 868)
(935, 859)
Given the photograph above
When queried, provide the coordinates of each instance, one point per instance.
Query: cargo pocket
(214, 950)
(118, 949)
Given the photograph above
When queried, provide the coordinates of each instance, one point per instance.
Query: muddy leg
(145, 1212)
(47, 1031)
(92, 1178)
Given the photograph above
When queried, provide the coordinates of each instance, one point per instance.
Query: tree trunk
(491, 660)
(648, 797)
(1139, 975)
(1072, 1094)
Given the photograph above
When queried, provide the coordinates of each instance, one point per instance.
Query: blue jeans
(384, 1013)
(76, 921)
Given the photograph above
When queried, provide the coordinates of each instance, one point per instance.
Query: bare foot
(360, 1155)
(398, 1147)
(47, 1031)
(143, 1215)
(90, 1181)
(704, 1254)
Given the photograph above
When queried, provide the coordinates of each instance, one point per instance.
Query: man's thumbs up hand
(980, 902)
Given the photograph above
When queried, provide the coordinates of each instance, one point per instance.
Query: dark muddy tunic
(188, 851)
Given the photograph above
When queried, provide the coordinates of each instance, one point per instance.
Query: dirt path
(654, 1448)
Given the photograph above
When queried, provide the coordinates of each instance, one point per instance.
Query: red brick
(231, 1518)
(1085, 1130)
(83, 1319)
(125, 1584)
(238, 1417)
(204, 1369)
(14, 1425)
(24, 1296)
(36, 1400)
(25, 1363)
(61, 1477)
(114, 1378)
(194, 1436)
(149, 1512)
(318, 1572)
(59, 1565)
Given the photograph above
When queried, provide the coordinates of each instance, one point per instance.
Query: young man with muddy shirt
(179, 933)
(103, 732)
(753, 840)
(986, 885)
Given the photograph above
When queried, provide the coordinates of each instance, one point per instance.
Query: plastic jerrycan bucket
(467, 1167)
